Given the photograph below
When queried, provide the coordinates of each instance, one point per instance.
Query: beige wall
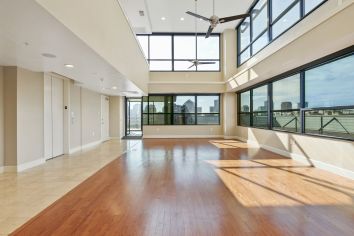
(229, 48)
(30, 113)
(230, 114)
(75, 116)
(2, 122)
(116, 117)
(90, 116)
(10, 98)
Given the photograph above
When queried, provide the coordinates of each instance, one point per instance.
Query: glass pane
(208, 119)
(260, 98)
(184, 47)
(338, 123)
(260, 43)
(160, 47)
(259, 18)
(144, 44)
(145, 119)
(184, 104)
(288, 121)
(156, 104)
(209, 67)
(245, 101)
(278, 6)
(184, 119)
(290, 18)
(160, 119)
(331, 84)
(161, 65)
(245, 55)
(260, 119)
(208, 48)
(245, 119)
(207, 104)
(286, 93)
(244, 33)
(145, 105)
(311, 4)
(183, 66)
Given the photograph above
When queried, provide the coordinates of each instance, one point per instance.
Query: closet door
(57, 116)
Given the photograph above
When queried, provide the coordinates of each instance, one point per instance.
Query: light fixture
(182, 19)
(48, 55)
(114, 87)
(163, 18)
(69, 66)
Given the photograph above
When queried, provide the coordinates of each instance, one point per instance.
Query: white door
(57, 116)
(104, 118)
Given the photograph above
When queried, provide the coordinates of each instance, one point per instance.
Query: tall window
(174, 52)
(181, 109)
(318, 100)
(269, 19)
(286, 104)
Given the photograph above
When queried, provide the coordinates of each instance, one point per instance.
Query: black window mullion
(195, 109)
(251, 108)
(270, 105)
(270, 13)
(302, 101)
(302, 8)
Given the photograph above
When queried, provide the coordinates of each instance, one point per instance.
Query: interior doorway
(133, 121)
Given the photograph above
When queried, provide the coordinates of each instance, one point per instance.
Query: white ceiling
(173, 10)
(27, 31)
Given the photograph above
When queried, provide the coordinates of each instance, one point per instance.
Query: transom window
(174, 52)
(268, 20)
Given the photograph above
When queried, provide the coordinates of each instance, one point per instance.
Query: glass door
(133, 122)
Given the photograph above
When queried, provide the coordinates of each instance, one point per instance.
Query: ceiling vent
(141, 13)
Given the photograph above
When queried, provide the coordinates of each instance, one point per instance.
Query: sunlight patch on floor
(256, 183)
(229, 144)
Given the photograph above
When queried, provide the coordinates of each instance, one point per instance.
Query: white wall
(30, 113)
(116, 117)
(90, 116)
(75, 116)
(2, 121)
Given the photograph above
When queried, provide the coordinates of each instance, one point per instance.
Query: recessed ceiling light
(48, 55)
(163, 18)
(69, 66)
(182, 19)
(114, 87)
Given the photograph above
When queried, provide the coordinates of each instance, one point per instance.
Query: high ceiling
(174, 10)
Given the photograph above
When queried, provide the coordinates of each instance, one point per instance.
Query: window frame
(172, 51)
(270, 24)
(349, 51)
(195, 113)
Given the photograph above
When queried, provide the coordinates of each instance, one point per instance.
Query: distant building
(286, 106)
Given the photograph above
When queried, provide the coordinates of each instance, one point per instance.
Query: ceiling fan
(197, 62)
(215, 20)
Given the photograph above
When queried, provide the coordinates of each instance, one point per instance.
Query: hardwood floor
(201, 187)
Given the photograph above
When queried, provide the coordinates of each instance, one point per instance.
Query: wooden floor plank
(201, 187)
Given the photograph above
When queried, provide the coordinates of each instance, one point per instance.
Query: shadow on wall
(242, 78)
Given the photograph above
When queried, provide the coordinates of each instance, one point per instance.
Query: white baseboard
(300, 158)
(23, 166)
(86, 146)
(182, 136)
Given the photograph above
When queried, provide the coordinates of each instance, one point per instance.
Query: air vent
(141, 13)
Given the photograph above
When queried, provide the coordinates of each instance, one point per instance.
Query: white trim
(86, 146)
(23, 166)
(189, 82)
(182, 136)
(300, 158)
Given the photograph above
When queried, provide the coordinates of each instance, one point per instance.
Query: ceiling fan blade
(198, 16)
(191, 66)
(207, 63)
(209, 32)
(231, 18)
